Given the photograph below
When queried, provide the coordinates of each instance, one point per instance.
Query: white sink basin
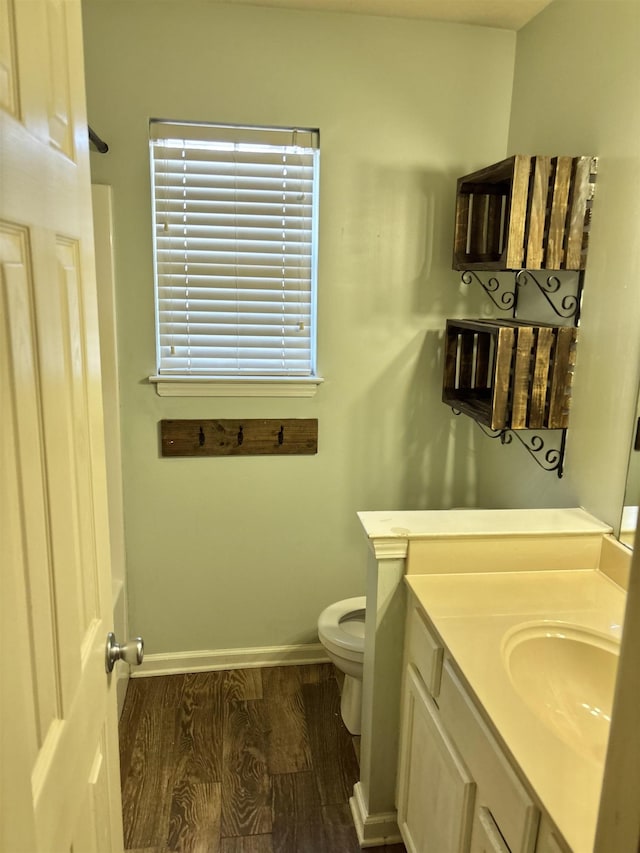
(565, 675)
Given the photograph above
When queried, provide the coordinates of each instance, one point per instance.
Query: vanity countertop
(474, 614)
(457, 523)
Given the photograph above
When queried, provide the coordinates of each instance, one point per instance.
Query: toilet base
(351, 704)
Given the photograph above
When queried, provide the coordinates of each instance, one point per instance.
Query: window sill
(193, 386)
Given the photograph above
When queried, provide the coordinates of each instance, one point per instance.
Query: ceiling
(503, 14)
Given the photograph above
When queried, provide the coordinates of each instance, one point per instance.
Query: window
(235, 234)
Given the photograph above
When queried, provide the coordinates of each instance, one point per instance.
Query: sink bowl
(565, 675)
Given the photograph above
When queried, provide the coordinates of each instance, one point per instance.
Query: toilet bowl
(341, 632)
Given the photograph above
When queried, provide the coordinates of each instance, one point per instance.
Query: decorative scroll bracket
(505, 301)
(548, 458)
(567, 307)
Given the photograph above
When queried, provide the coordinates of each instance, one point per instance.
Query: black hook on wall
(281, 435)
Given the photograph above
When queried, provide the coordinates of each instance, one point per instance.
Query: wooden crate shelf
(526, 212)
(508, 374)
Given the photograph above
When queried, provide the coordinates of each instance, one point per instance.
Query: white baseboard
(208, 661)
(373, 830)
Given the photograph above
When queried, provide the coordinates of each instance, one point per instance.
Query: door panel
(59, 767)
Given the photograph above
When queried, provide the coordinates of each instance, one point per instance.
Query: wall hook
(240, 436)
(201, 437)
(281, 435)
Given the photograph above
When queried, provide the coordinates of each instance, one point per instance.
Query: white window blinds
(235, 222)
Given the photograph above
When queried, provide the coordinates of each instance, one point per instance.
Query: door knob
(131, 652)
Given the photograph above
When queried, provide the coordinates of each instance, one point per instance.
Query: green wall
(577, 91)
(235, 553)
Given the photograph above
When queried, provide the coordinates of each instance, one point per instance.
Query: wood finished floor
(242, 761)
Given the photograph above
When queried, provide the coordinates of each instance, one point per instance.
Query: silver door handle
(131, 652)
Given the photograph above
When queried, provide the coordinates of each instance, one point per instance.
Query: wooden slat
(494, 231)
(465, 360)
(450, 358)
(504, 352)
(581, 192)
(248, 437)
(554, 257)
(538, 212)
(477, 240)
(493, 174)
(460, 231)
(518, 211)
(481, 378)
(563, 359)
(287, 741)
(539, 387)
(521, 374)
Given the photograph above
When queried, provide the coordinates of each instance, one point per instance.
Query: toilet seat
(341, 627)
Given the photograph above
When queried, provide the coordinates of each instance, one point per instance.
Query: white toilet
(341, 632)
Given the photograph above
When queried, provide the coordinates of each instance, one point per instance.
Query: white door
(59, 787)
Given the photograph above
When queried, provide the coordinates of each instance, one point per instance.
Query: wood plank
(555, 238)
(580, 195)
(563, 360)
(502, 378)
(199, 728)
(194, 825)
(239, 437)
(538, 212)
(246, 790)
(134, 704)
(540, 383)
(287, 743)
(521, 376)
(243, 684)
(247, 844)
(147, 789)
(518, 211)
(296, 814)
(334, 760)
(339, 831)
(313, 673)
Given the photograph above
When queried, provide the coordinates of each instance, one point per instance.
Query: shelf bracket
(505, 301)
(568, 307)
(548, 458)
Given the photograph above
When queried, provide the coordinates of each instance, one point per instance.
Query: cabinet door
(486, 837)
(435, 790)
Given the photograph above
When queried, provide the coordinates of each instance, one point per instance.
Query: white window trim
(189, 386)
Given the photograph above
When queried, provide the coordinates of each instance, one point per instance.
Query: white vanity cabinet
(435, 790)
(457, 791)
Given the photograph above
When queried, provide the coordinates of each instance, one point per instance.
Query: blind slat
(235, 218)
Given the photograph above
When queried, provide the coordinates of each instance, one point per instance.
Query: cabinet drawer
(499, 789)
(425, 651)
